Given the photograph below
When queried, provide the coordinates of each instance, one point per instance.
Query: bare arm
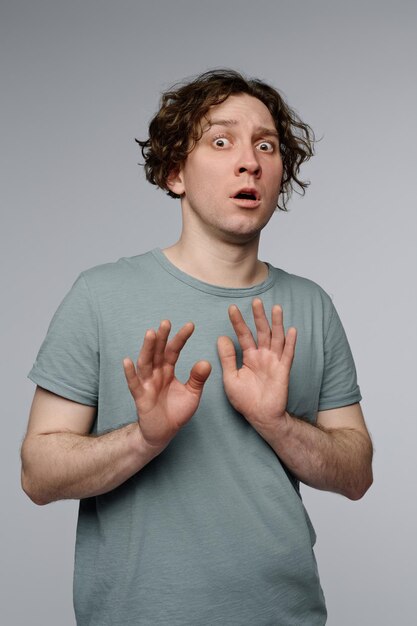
(336, 453)
(61, 460)
(333, 455)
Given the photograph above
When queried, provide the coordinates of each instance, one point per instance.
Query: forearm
(64, 465)
(336, 460)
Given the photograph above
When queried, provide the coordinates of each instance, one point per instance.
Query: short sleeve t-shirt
(213, 530)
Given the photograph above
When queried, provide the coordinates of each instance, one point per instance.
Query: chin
(246, 228)
(240, 235)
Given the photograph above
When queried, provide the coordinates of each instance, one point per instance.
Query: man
(190, 511)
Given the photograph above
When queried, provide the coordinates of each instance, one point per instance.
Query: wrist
(142, 451)
(277, 428)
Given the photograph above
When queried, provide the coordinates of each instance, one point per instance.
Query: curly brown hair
(176, 127)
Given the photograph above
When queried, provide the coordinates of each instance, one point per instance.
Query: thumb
(198, 376)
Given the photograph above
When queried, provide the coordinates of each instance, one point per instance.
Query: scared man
(187, 461)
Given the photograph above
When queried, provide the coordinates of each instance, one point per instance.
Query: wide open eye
(221, 142)
(265, 146)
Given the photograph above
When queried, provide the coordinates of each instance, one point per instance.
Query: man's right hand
(85, 465)
(163, 403)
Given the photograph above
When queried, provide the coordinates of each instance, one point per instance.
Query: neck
(218, 262)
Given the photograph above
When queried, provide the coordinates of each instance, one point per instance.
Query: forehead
(243, 109)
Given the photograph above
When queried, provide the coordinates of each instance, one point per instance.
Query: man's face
(238, 153)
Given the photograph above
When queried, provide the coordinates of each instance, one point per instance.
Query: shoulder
(117, 273)
(302, 288)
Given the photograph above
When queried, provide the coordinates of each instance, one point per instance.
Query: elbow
(363, 479)
(358, 491)
(32, 493)
(31, 483)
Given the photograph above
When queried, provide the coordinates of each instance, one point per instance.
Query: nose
(248, 162)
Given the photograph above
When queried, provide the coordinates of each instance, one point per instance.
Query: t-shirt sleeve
(339, 384)
(68, 360)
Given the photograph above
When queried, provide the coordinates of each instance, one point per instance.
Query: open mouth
(248, 194)
(245, 196)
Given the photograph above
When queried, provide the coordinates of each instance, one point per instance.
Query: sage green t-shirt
(212, 531)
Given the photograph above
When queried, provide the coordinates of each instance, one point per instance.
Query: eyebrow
(260, 130)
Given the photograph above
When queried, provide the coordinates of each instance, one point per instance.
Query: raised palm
(259, 389)
(163, 403)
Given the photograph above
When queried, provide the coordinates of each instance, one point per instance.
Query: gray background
(79, 81)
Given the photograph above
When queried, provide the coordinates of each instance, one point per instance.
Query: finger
(278, 335)
(161, 342)
(241, 329)
(227, 354)
(289, 348)
(174, 347)
(198, 376)
(262, 325)
(145, 358)
(131, 376)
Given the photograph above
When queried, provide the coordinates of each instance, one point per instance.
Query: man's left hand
(259, 389)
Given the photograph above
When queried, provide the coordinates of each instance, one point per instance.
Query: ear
(175, 182)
